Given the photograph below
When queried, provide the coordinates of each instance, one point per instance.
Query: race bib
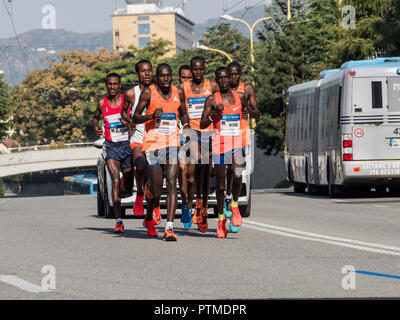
(196, 107)
(167, 124)
(230, 125)
(118, 132)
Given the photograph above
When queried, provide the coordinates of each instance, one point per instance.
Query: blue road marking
(376, 274)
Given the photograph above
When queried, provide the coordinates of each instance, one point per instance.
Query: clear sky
(95, 15)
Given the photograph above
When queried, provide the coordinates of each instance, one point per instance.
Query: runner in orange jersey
(224, 110)
(249, 101)
(186, 180)
(144, 72)
(196, 93)
(165, 103)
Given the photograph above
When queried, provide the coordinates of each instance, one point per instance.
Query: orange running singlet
(195, 104)
(164, 132)
(244, 124)
(228, 134)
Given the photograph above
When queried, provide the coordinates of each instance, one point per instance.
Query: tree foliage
(4, 108)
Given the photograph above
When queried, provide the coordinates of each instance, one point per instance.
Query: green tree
(389, 30)
(278, 13)
(4, 108)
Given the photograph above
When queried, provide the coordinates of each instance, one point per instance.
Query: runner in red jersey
(164, 103)
(249, 102)
(118, 154)
(224, 110)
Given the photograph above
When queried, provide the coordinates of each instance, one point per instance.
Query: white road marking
(22, 284)
(349, 243)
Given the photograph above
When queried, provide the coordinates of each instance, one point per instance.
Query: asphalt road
(292, 246)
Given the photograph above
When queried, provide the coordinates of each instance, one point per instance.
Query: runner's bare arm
(144, 101)
(252, 106)
(129, 101)
(182, 109)
(209, 113)
(96, 118)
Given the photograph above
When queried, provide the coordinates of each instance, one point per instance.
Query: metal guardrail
(51, 146)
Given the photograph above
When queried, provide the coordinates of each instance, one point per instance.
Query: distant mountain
(40, 47)
(250, 16)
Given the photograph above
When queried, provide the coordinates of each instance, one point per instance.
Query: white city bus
(343, 129)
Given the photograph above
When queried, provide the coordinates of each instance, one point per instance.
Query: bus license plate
(394, 142)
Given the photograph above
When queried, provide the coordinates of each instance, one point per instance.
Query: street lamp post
(251, 29)
(216, 50)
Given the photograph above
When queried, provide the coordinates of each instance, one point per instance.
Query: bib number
(167, 124)
(230, 125)
(196, 107)
(118, 132)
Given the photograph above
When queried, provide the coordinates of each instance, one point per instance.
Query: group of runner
(177, 132)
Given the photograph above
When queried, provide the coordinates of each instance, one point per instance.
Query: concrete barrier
(32, 161)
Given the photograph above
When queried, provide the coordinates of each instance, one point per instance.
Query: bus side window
(376, 94)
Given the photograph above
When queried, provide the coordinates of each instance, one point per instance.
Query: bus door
(315, 142)
(374, 137)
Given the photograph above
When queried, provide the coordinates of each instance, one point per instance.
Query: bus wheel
(395, 191)
(380, 189)
(299, 187)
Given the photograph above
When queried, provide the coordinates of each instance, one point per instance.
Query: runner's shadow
(128, 233)
(142, 234)
(211, 233)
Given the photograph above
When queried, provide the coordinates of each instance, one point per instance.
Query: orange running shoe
(203, 224)
(138, 209)
(221, 231)
(169, 235)
(151, 229)
(119, 228)
(196, 218)
(157, 216)
(236, 217)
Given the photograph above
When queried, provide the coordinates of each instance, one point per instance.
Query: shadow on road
(348, 196)
(142, 233)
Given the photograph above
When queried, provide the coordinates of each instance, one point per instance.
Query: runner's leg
(113, 167)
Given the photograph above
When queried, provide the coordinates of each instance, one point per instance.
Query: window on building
(144, 28)
(143, 18)
(143, 42)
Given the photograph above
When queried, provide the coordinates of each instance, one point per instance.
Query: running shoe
(203, 224)
(186, 218)
(138, 209)
(236, 217)
(196, 218)
(169, 235)
(151, 229)
(119, 228)
(157, 216)
(221, 230)
(227, 206)
(233, 229)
